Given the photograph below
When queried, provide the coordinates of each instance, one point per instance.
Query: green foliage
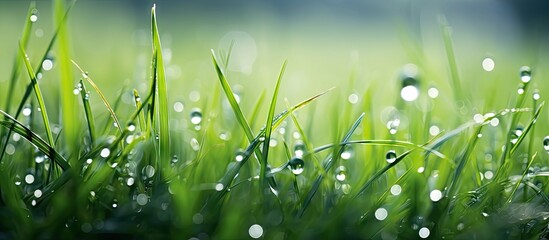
(144, 175)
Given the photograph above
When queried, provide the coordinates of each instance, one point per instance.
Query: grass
(325, 167)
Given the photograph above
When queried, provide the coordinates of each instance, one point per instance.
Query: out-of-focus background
(350, 44)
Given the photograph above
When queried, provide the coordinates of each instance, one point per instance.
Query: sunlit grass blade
(103, 98)
(512, 194)
(39, 98)
(19, 128)
(163, 113)
(268, 127)
(527, 129)
(138, 103)
(451, 57)
(232, 100)
(87, 110)
(327, 165)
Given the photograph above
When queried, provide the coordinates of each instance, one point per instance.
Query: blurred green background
(352, 45)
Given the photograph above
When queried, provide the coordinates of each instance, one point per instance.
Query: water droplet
(76, 91)
(432, 92)
(89, 161)
(130, 181)
(391, 156)
(33, 18)
(392, 125)
(255, 231)
(435, 195)
(488, 175)
(194, 96)
(434, 130)
(39, 158)
(178, 107)
(536, 95)
(17, 180)
(341, 173)
(47, 64)
(37, 193)
(346, 188)
(299, 148)
(131, 127)
(525, 74)
(346, 154)
(273, 142)
(175, 159)
(219, 187)
(194, 144)
(148, 171)
(29, 179)
(409, 93)
(515, 135)
(488, 64)
(546, 143)
(421, 169)
(424, 232)
(296, 135)
(105, 152)
(85, 75)
(396, 190)
(381, 214)
(239, 155)
(520, 90)
(353, 98)
(114, 205)
(196, 116)
(27, 110)
(460, 226)
(142, 199)
(296, 165)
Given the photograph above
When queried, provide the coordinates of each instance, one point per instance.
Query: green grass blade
(232, 100)
(451, 56)
(87, 110)
(103, 98)
(327, 165)
(39, 98)
(527, 129)
(162, 91)
(269, 127)
(512, 194)
(18, 127)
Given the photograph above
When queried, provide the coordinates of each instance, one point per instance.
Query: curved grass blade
(327, 165)
(269, 127)
(87, 110)
(18, 127)
(163, 113)
(510, 198)
(39, 98)
(103, 98)
(527, 129)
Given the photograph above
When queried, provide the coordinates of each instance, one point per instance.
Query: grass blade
(510, 198)
(40, 99)
(527, 129)
(269, 127)
(87, 110)
(164, 138)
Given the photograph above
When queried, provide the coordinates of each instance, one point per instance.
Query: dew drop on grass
(10, 149)
(219, 187)
(409, 91)
(346, 188)
(148, 171)
(516, 135)
(255, 231)
(424, 232)
(178, 106)
(85, 75)
(296, 165)
(29, 179)
(105, 152)
(460, 226)
(299, 148)
(489, 175)
(396, 190)
(39, 158)
(520, 90)
(33, 203)
(353, 98)
(392, 125)
(381, 214)
(546, 143)
(421, 169)
(525, 74)
(488, 64)
(341, 173)
(196, 116)
(17, 180)
(391, 156)
(37, 193)
(130, 181)
(239, 156)
(194, 144)
(142, 199)
(27, 110)
(435, 195)
(131, 127)
(33, 18)
(114, 205)
(535, 95)
(347, 154)
(434, 130)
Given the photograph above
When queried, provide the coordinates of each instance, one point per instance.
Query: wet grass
(317, 169)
